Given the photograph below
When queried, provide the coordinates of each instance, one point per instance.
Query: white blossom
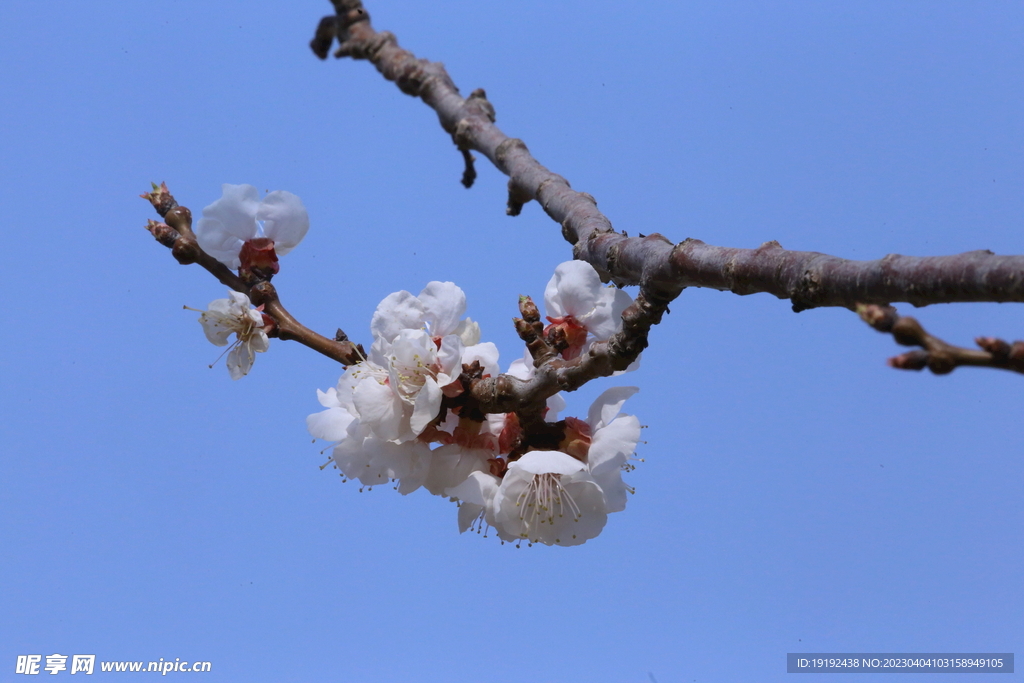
(438, 309)
(239, 216)
(582, 307)
(613, 439)
(476, 495)
(549, 497)
(235, 315)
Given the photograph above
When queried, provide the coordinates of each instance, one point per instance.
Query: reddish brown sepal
(259, 258)
(497, 466)
(577, 438)
(566, 335)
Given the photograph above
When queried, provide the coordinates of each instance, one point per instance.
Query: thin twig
(935, 354)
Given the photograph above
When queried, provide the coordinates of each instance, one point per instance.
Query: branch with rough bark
(660, 267)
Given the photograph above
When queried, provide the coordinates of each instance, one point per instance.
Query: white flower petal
(547, 462)
(408, 462)
(330, 425)
(612, 445)
(487, 355)
(258, 341)
(379, 407)
(450, 465)
(607, 406)
(549, 508)
(450, 358)
(477, 493)
(443, 306)
(329, 398)
(398, 311)
(428, 403)
(285, 220)
(606, 318)
(240, 360)
(468, 331)
(572, 290)
(216, 241)
(235, 211)
(477, 488)
(217, 327)
(468, 513)
(614, 490)
(355, 454)
(556, 404)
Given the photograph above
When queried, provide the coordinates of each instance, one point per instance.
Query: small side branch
(935, 354)
(176, 233)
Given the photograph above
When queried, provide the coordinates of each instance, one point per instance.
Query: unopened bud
(997, 347)
(163, 233)
(528, 309)
(882, 318)
(912, 360)
(160, 197)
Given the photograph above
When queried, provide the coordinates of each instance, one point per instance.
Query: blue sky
(796, 495)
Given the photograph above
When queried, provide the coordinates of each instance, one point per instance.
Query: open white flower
(549, 497)
(235, 315)
(438, 309)
(613, 439)
(239, 217)
(582, 307)
(398, 392)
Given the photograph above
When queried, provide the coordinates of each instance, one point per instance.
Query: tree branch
(660, 267)
(936, 355)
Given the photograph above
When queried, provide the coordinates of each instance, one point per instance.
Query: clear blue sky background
(797, 495)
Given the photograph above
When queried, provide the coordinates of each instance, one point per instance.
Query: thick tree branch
(936, 355)
(660, 267)
(176, 233)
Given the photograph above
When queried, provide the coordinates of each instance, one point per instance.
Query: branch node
(517, 197)
(507, 148)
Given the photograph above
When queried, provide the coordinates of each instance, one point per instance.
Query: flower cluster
(401, 416)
